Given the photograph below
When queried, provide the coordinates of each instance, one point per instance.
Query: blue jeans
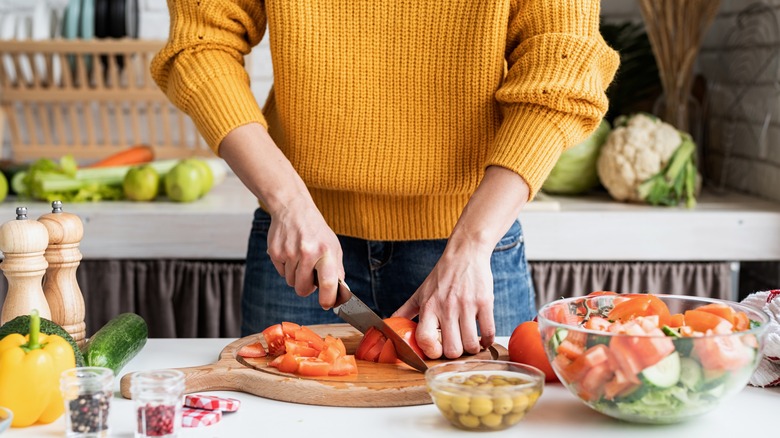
(383, 274)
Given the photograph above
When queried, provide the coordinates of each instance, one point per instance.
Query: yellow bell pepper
(30, 368)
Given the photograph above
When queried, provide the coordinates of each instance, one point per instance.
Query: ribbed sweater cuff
(529, 142)
(218, 103)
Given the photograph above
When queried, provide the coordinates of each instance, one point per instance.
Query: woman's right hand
(299, 240)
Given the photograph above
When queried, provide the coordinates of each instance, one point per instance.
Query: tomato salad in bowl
(652, 358)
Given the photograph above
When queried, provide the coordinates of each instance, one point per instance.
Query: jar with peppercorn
(158, 402)
(87, 392)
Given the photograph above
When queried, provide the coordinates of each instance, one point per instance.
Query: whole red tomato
(525, 346)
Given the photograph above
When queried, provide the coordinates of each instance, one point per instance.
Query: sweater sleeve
(201, 68)
(553, 95)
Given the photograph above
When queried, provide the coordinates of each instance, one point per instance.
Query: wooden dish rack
(88, 98)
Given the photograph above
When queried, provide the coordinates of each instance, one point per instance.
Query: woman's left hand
(456, 297)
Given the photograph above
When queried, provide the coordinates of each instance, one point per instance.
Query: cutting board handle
(219, 376)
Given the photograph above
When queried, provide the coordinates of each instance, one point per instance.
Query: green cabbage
(575, 172)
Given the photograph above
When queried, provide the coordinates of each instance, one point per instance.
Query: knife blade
(359, 315)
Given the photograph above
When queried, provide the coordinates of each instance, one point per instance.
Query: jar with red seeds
(158, 402)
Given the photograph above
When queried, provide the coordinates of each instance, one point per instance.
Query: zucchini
(664, 374)
(120, 340)
(21, 325)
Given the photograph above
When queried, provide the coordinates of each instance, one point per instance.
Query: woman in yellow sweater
(401, 141)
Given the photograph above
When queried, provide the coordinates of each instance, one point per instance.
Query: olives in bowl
(484, 394)
(652, 358)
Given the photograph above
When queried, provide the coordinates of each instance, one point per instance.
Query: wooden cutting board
(375, 385)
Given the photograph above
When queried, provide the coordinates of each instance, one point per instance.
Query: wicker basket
(88, 99)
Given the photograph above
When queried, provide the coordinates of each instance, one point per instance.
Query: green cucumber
(120, 340)
(21, 325)
(558, 337)
(664, 374)
(691, 373)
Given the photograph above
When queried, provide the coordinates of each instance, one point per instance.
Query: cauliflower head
(637, 149)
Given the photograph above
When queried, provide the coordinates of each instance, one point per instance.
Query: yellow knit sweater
(391, 110)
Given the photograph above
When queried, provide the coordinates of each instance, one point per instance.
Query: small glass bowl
(484, 394)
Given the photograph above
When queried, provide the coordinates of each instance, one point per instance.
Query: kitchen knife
(360, 316)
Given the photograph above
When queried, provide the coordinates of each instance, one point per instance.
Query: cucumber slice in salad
(558, 337)
(665, 373)
(691, 374)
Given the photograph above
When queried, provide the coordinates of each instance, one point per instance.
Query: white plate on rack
(7, 32)
(24, 32)
(44, 27)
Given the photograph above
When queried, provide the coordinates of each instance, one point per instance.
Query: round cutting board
(375, 385)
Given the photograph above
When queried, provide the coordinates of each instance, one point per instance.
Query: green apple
(141, 183)
(184, 182)
(3, 187)
(207, 177)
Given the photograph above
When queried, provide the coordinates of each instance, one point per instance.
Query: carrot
(137, 154)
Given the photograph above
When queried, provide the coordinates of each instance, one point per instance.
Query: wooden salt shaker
(60, 286)
(23, 243)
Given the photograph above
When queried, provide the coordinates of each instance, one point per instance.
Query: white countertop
(557, 414)
(728, 227)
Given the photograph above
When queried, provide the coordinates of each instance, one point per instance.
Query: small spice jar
(158, 402)
(87, 392)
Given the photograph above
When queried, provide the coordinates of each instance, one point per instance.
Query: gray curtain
(188, 299)
(554, 280)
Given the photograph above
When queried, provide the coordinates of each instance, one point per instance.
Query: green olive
(460, 404)
(469, 421)
(491, 420)
(513, 418)
(519, 403)
(481, 406)
(502, 405)
(443, 401)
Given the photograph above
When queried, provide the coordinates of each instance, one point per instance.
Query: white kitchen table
(752, 412)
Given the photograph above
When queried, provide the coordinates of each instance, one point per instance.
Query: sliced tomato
(313, 367)
(308, 336)
(570, 349)
(722, 352)
(372, 345)
(343, 366)
(387, 355)
(369, 340)
(741, 322)
(719, 309)
(274, 339)
(299, 348)
(336, 342)
(597, 323)
(701, 321)
(252, 350)
(676, 320)
(288, 363)
(289, 328)
(640, 305)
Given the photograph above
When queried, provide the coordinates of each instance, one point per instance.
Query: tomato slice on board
(368, 343)
(336, 342)
(274, 339)
(374, 342)
(313, 367)
(289, 328)
(252, 350)
(387, 355)
(308, 335)
(299, 348)
(343, 366)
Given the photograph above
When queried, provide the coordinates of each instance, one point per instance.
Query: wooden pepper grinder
(60, 286)
(23, 243)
